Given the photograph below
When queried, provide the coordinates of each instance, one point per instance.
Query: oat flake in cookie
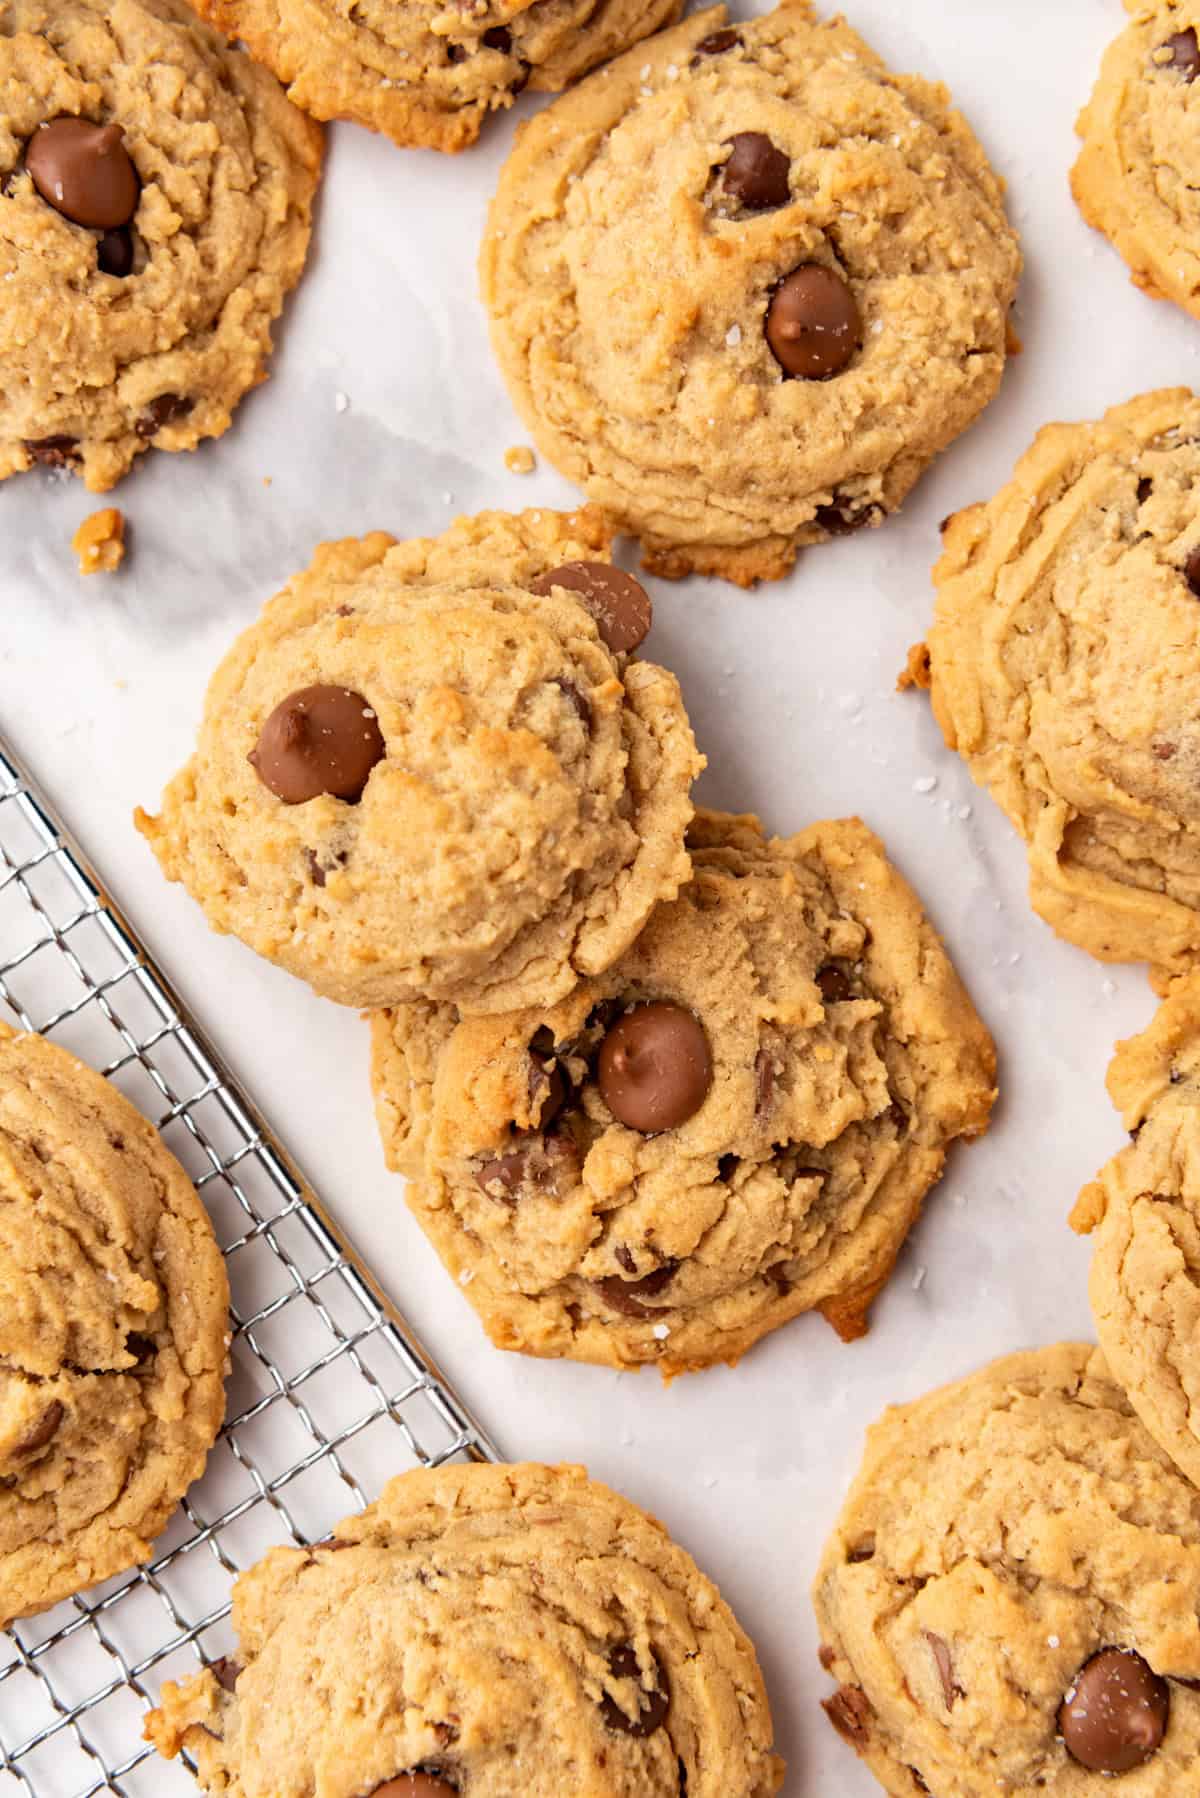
(488, 1631)
(434, 768)
(744, 284)
(424, 72)
(113, 1329)
(1064, 664)
(155, 192)
(1010, 1600)
(736, 1123)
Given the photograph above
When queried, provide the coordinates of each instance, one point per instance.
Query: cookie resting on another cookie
(426, 73)
(744, 284)
(113, 1329)
(431, 769)
(1011, 1597)
(1064, 664)
(1143, 1210)
(485, 1630)
(155, 198)
(736, 1123)
(1137, 178)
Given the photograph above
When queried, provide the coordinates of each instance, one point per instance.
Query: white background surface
(791, 693)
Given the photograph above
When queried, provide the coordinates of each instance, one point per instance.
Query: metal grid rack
(329, 1395)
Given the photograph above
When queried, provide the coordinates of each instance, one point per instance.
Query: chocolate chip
(655, 1068)
(858, 1552)
(1191, 571)
(456, 53)
(833, 984)
(843, 520)
(717, 42)
(498, 37)
(42, 1432)
(548, 1092)
(625, 1257)
(164, 410)
(1115, 1715)
(653, 1705)
(727, 1167)
(142, 1348)
(826, 1655)
(945, 1666)
(225, 1672)
(422, 1782)
(813, 323)
(849, 1711)
(84, 171)
(619, 604)
(52, 452)
(318, 740)
(1185, 53)
(626, 1295)
(764, 1082)
(506, 1171)
(576, 700)
(1145, 488)
(114, 253)
(756, 173)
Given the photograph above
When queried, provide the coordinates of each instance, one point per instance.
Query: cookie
(1144, 1211)
(113, 1329)
(1010, 1599)
(745, 284)
(1063, 661)
(483, 1630)
(428, 74)
(155, 197)
(431, 769)
(736, 1123)
(1137, 178)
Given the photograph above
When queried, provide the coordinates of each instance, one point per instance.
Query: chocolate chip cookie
(745, 284)
(1011, 1597)
(1064, 660)
(426, 73)
(431, 768)
(1138, 175)
(113, 1329)
(736, 1123)
(487, 1631)
(1144, 1211)
(155, 193)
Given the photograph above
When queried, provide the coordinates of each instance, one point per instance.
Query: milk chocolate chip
(653, 1705)
(1115, 1715)
(619, 604)
(318, 740)
(1191, 571)
(84, 171)
(833, 984)
(813, 323)
(655, 1068)
(1185, 53)
(626, 1295)
(114, 253)
(717, 42)
(849, 1710)
(418, 1784)
(42, 1432)
(756, 173)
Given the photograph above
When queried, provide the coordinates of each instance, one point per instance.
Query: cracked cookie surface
(1143, 1212)
(1064, 659)
(1137, 178)
(635, 245)
(844, 1058)
(496, 1629)
(1000, 1535)
(96, 367)
(425, 72)
(529, 801)
(113, 1329)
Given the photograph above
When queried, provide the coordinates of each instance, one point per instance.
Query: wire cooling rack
(329, 1395)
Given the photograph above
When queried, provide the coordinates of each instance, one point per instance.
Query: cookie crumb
(100, 541)
(520, 459)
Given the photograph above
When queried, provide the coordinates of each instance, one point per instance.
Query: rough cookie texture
(424, 72)
(503, 1629)
(628, 289)
(1064, 661)
(846, 1057)
(96, 367)
(1000, 1533)
(530, 806)
(113, 1321)
(1137, 178)
(1144, 1211)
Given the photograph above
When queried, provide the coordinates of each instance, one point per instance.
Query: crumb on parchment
(100, 541)
(520, 459)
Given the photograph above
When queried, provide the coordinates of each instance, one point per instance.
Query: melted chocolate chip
(625, 1256)
(422, 1782)
(813, 324)
(756, 173)
(617, 601)
(319, 871)
(53, 452)
(42, 1432)
(626, 1295)
(84, 171)
(849, 1711)
(225, 1672)
(717, 42)
(1191, 571)
(1185, 53)
(833, 984)
(653, 1705)
(506, 1171)
(945, 1667)
(548, 1092)
(164, 410)
(655, 1069)
(319, 740)
(1115, 1715)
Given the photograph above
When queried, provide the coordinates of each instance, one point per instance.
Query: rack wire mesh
(329, 1396)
